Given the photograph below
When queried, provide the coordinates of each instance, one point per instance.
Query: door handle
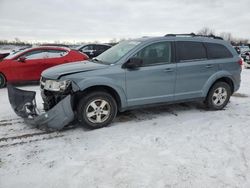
(209, 66)
(168, 70)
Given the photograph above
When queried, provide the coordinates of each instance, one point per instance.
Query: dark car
(93, 50)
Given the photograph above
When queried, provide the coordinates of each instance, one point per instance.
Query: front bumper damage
(24, 104)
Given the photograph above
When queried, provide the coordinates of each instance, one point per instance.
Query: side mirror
(22, 59)
(133, 63)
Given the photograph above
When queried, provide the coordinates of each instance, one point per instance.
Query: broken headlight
(54, 85)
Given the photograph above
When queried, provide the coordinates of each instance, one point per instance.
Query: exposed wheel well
(4, 77)
(226, 80)
(107, 89)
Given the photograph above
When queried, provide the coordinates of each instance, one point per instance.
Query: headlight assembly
(53, 85)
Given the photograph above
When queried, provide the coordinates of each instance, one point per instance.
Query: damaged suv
(135, 73)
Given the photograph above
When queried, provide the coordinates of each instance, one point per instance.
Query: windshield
(115, 53)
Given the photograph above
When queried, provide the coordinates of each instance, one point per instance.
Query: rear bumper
(24, 105)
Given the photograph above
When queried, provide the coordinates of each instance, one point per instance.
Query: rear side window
(100, 47)
(56, 53)
(187, 51)
(217, 51)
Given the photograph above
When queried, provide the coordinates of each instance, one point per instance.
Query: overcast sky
(103, 20)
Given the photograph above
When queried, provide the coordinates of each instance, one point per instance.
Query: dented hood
(70, 68)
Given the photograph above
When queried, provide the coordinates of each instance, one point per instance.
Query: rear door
(154, 81)
(193, 69)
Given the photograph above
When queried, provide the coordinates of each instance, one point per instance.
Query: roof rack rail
(194, 35)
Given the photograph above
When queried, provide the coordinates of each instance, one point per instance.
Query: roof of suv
(185, 38)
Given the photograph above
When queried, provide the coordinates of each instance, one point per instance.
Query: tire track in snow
(6, 122)
(20, 139)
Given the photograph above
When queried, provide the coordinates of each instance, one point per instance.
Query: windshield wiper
(97, 61)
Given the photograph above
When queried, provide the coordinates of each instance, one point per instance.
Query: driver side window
(36, 54)
(157, 53)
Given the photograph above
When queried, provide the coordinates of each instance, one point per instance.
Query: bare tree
(206, 31)
(114, 40)
(226, 36)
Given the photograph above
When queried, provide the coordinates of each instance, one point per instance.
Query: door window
(157, 53)
(35, 54)
(188, 51)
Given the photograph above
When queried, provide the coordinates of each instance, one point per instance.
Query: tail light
(240, 62)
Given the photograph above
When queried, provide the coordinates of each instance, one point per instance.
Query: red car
(28, 64)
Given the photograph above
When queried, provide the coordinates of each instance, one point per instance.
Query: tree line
(225, 35)
(206, 31)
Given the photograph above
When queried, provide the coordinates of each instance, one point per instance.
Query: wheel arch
(1, 73)
(119, 98)
(226, 79)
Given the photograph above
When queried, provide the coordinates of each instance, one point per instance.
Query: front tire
(97, 110)
(2, 80)
(218, 96)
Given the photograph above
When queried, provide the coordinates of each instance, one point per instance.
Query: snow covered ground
(172, 146)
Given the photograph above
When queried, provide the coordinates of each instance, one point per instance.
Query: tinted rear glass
(217, 51)
(187, 50)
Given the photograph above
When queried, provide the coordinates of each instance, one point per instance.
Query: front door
(154, 81)
(31, 67)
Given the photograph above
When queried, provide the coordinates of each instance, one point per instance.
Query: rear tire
(2, 80)
(96, 110)
(218, 96)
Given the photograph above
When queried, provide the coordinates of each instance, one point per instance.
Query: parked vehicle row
(246, 57)
(132, 74)
(244, 52)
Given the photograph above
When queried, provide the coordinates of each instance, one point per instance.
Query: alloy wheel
(98, 111)
(219, 96)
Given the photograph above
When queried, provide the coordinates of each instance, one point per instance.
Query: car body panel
(66, 69)
(151, 84)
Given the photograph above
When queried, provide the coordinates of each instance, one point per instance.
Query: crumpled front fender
(24, 104)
